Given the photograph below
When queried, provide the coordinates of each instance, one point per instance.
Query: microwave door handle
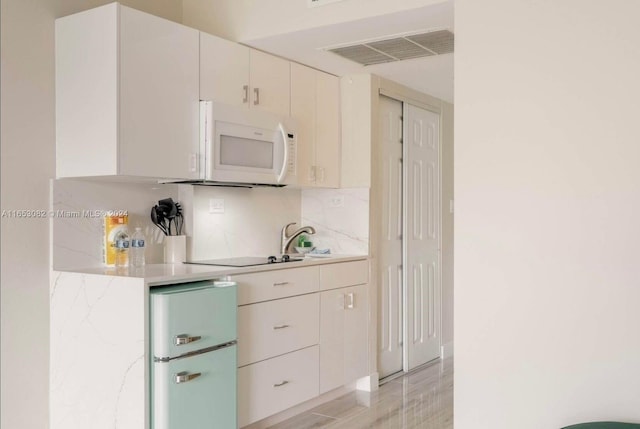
(285, 158)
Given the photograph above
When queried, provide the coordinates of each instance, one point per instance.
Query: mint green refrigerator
(194, 356)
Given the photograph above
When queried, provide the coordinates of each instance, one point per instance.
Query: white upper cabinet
(224, 71)
(315, 105)
(303, 110)
(270, 77)
(328, 138)
(126, 95)
(234, 74)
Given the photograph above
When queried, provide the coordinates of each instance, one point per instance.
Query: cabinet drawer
(277, 327)
(343, 274)
(276, 284)
(273, 385)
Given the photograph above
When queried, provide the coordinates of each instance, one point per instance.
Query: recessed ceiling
(429, 26)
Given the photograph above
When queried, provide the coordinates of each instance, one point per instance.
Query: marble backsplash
(76, 224)
(250, 225)
(340, 217)
(253, 218)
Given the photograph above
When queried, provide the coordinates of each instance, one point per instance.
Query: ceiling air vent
(397, 48)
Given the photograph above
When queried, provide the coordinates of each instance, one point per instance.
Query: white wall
(27, 157)
(254, 19)
(547, 291)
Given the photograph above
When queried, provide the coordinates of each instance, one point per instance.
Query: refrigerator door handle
(184, 376)
(183, 339)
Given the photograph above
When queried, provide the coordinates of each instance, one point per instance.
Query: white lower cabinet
(273, 385)
(301, 332)
(343, 336)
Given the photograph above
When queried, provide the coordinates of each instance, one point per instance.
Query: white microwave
(246, 147)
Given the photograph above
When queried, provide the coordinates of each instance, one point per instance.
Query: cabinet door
(87, 93)
(328, 135)
(224, 71)
(303, 110)
(159, 110)
(356, 334)
(270, 77)
(315, 105)
(343, 336)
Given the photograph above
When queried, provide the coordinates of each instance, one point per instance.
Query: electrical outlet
(216, 205)
(337, 201)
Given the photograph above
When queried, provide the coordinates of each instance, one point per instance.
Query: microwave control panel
(291, 148)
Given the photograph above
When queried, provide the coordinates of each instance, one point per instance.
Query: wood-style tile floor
(421, 399)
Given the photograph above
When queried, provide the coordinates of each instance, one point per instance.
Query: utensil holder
(175, 249)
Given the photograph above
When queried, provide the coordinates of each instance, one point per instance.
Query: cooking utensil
(168, 216)
(169, 211)
(158, 219)
(179, 219)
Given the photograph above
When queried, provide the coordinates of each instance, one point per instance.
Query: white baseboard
(446, 350)
(369, 383)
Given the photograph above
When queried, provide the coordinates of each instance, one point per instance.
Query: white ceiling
(432, 75)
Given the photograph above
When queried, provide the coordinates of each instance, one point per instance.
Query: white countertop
(158, 274)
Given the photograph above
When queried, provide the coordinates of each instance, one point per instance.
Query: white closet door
(422, 236)
(390, 326)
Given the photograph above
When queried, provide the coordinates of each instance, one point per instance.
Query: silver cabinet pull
(193, 162)
(256, 96)
(321, 179)
(350, 305)
(281, 326)
(184, 376)
(183, 339)
(245, 91)
(282, 383)
(281, 284)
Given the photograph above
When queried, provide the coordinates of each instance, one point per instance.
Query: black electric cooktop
(247, 261)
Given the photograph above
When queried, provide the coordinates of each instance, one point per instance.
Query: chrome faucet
(286, 239)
